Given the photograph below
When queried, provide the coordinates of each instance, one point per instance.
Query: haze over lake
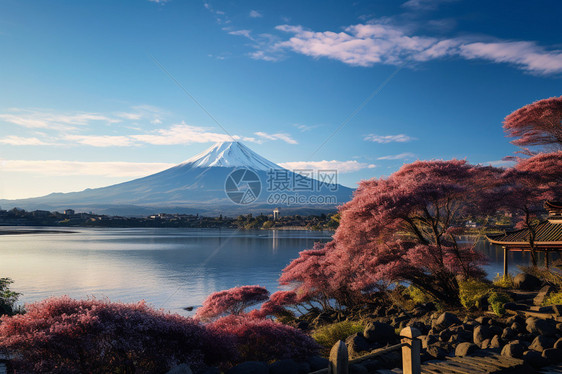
(169, 268)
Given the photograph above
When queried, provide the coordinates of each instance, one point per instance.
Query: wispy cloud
(425, 4)
(380, 42)
(245, 33)
(19, 140)
(305, 128)
(500, 163)
(40, 119)
(341, 166)
(279, 136)
(255, 14)
(383, 139)
(181, 134)
(74, 168)
(101, 140)
(401, 156)
(162, 2)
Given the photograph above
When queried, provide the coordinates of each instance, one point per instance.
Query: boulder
(541, 342)
(378, 332)
(445, 320)
(358, 369)
(465, 349)
(357, 345)
(180, 369)
(436, 353)
(542, 295)
(481, 333)
(533, 358)
(483, 320)
(515, 306)
(558, 343)
(485, 344)
(518, 327)
(541, 326)
(318, 363)
(422, 327)
(428, 340)
(552, 354)
(508, 334)
(249, 367)
(527, 282)
(284, 367)
(513, 349)
(495, 342)
(557, 310)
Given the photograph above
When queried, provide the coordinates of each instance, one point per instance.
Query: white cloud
(18, 140)
(101, 140)
(383, 139)
(81, 168)
(401, 156)
(279, 136)
(424, 4)
(53, 121)
(382, 43)
(245, 33)
(182, 134)
(304, 128)
(500, 163)
(255, 14)
(342, 167)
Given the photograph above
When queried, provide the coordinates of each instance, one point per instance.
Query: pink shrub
(232, 301)
(265, 340)
(62, 335)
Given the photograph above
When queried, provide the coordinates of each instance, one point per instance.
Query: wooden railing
(411, 350)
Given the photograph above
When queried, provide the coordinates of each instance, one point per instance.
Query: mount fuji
(227, 178)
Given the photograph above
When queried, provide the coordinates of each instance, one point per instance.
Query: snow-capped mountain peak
(230, 154)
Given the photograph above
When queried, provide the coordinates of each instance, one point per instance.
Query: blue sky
(85, 100)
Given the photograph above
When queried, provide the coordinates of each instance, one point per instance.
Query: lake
(169, 268)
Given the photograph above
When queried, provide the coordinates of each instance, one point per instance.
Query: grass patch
(328, 335)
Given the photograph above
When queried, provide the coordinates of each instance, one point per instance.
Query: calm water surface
(169, 268)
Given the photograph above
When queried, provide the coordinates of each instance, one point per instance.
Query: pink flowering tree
(232, 301)
(277, 305)
(402, 228)
(265, 340)
(528, 185)
(63, 335)
(537, 124)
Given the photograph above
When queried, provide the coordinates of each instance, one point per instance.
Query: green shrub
(471, 291)
(8, 298)
(497, 300)
(554, 299)
(328, 335)
(503, 282)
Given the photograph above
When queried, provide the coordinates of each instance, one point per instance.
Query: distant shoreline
(24, 231)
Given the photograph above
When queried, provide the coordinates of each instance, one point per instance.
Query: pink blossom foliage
(232, 301)
(276, 305)
(62, 335)
(537, 124)
(402, 228)
(265, 340)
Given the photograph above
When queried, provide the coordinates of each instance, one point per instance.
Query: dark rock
(284, 367)
(557, 309)
(514, 319)
(480, 333)
(460, 337)
(428, 340)
(513, 349)
(180, 369)
(358, 369)
(318, 363)
(381, 333)
(465, 349)
(518, 327)
(304, 368)
(483, 320)
(436, 353)
(445, 335)
(422, 327)
(533, 358)
(357, 345)
(541, 326)
(515, 306)
(371, 365)
(542, 295)
(215, 370)
(429, 306)
(552, 354)
(303, 325)
(250, 367)
(485, 344)
(445, 320)
(558, 344)
(541, 343)
(527, 282)
(508, 334)
(495, 342)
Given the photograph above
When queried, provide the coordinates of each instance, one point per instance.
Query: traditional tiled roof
(547, 234)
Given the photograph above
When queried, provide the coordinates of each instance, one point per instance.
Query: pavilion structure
(547, 236)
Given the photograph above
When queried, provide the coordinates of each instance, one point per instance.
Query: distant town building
(276, 213)
(69, 212)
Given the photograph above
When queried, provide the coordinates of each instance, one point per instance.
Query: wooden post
(505, 253)
(411, 350)
(339, 359)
